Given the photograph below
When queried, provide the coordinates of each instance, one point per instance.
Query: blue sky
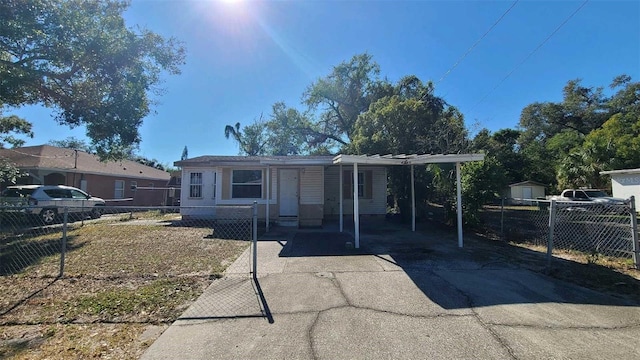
(243, 56)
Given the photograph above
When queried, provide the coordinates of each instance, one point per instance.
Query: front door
(288, 191)
(527, 192)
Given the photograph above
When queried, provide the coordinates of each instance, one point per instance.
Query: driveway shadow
(482, 274)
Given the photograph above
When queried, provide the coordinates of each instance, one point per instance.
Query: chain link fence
(121, 264)
(593, 229)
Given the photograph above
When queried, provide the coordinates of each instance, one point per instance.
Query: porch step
(288, 221)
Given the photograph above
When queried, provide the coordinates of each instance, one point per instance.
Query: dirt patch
(123, 284)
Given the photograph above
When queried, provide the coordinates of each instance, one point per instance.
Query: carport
(402, 159)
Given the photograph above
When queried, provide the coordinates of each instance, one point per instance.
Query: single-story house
(299, 190)
(121, 182)
(521, 192)
(625, 183)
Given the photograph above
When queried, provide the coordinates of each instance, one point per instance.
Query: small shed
(520, 193)
(625, 183)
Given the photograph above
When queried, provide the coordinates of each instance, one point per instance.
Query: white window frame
(233, 184)
(118, 192)
(195, 185)
(361, 183)
(215, 184)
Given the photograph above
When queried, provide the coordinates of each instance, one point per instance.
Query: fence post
(254, 239)
(634, 232)
(63, 246)
(502, 218)
(552, 224)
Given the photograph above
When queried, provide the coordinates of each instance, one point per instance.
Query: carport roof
(402, 159)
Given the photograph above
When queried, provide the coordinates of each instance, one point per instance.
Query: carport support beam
(268, 196)
(459, 204)
(356, 210)
(413, 201)
(341, 199)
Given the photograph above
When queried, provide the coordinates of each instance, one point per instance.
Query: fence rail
(608, 229)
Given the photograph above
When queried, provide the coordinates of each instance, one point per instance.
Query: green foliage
(342, 96)
(250, 139)
(9, 173)
(572, 141)
(10, 126)
(503, 147)
(482, 182)
(79, 57)
(72, 143)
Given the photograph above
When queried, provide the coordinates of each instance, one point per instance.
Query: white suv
(49, 201)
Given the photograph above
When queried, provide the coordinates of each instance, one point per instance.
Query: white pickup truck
(592, 195)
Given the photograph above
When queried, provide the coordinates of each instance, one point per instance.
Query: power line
(477, 42)
(530, 54)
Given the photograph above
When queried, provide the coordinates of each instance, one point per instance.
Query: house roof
(45, 157)
(401, 159)
(209, 160)
(623, 171)
(528, 182)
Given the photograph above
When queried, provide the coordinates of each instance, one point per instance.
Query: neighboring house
(113, 181)
(518, 193)
(625, 183)
(175, 182)
(299, 190)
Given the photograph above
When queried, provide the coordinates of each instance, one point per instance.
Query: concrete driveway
(403, 295)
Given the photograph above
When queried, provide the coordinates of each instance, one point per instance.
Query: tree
(79, 58)
(185, 153)
(342, 96)
(482, 182)
(251, 138)
(411, 120)
(502, 146)
(10, 127)
(333, 102)
(285, 131)
(72, 143)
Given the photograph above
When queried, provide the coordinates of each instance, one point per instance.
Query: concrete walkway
(401, 296)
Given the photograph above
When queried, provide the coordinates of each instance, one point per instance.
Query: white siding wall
(377, 205)
(207, 199)
(311, 185)
(626, 185)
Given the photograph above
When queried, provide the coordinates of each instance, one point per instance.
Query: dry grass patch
(120, 278)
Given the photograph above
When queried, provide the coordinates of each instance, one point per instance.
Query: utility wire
(530, 54)
(477, 42)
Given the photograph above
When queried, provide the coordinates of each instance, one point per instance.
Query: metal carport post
(403, 159)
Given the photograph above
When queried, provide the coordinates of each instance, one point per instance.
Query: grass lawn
(125, 281)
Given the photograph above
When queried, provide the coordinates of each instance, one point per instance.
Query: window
(119, 190)
(195, 185)
(215, 183)
(360, 183)
(246, 184)
(58, 193)
(78, 194)
(365, 179)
